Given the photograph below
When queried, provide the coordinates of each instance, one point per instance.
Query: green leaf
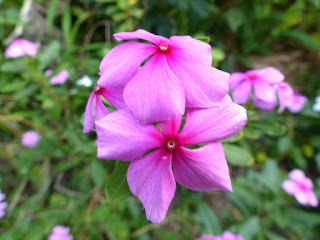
(235, 18)
(97, 173)
(237, 156)
(203, 39)
(207, 220)
(14, 66)
(49, 54)
(117, 185)
(51, 13)
(273, 128)
(66, 24)
(250, 228)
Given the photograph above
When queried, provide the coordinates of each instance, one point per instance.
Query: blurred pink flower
(301, 188)
(21, 47)
(178, 74)
(290, 99)
(60, 78)
(224, 236)
(113, 95)
(263, 82)
(30, 139)
(297, 102)
(3, 204)
(60, 233)
(48, 72)
(150, 177)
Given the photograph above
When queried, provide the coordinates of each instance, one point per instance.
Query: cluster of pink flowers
(30, 139)
(3, 204)
(60, 233)
(151, 85)
(268, 85)
(224, 236)
(301, 188)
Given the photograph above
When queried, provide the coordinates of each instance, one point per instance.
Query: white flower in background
(316, 105)
(84, 81)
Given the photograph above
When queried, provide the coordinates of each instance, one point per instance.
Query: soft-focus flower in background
(297, 102)
(3, 204)
(60, 78)
(263, 83)
(96, 110)
(300, 187)
(150, 177)
(30, 139)
(21, 47)
(60, 233)
(316, 105)
(84, 81)
(48, 72)
(224, 236)
(179, 74)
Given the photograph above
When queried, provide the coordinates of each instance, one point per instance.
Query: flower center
(163, 47)
(252, 77)
(97, 89)
(170, 144)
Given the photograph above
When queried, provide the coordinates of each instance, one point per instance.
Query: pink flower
(290, 99)
(60, 233)
(114, 96)
(150, 177)
(179, 74)
(301, 188)
(3, 204)
(297, 102)
(21, 47)
(263, 82)
(60, 78)
(224, 236)
(30, 139)
(48, 72)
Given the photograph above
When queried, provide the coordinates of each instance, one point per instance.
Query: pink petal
(264, 105)
(290, 187)
(21, 47)
(60, 78)
(242, 92)
(100, 109)
(141, 34)
(265, 93)
(204, 86)
(312, 199)
(271, 75)
(122, 63)
(202, 169)
(154, 93)
(236, 78)
(296, 103)
(151, 179)
(122, 137)
(88, 123)
(30, 48)
(301, 197)
(297, 175)
(285, 93)
(189, 49)
(171, 127)
(208, 237)
(212, 124)
(114, 96)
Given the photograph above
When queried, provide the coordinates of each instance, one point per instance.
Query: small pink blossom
(60, 233)
(48, 72)
(30, 139)
(113, 95)
(290, 99)
(224, 236)
(3, 204)
(300, 187)
(21, 47)
(178, 74)
(263, 82)
(297, 102)
(60, 78)
(150, 177)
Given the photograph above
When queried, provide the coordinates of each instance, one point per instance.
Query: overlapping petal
(88, 123)
(202, 169)
(154, 93)
(114, 96)
(100, 109)
(285, 93)
(271, 75)
(141, 34)
(122, 137)
(236, 78)
(290, 186)
(171, 127)
(213, 124)
(151, 179)
(21, 47)
(265, 91)
(242, 92)
(122, 63)
(260, 103)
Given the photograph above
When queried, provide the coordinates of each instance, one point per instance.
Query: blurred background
(61, 182)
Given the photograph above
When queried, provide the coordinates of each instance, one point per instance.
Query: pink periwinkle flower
(30, 139)
(60, 78)
(60, 233)
(48, 72)
(263, 82)
(224, 236)
(300, 187)
(290, 99)
(3, 204)
(150, 176)
(96, 110)
(178, 74)
(21, 47)
(297, 102)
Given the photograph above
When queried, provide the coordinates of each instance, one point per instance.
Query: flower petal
(88, 123)
(122, 137)
(30, 48)
(14, 50)
(154, 93)
(296, 103)
(265, 94)
(141, 34)
(189, 49)
(312, 199)
(290, 187)
(114, 96)
(204, 86)
(285, 93)
(100, 109)
(236, 78)
(151, 179)
(171, 127)
(264, 105)
(212, 124)
(242, 92)
(271, 75)
(122, 63)
(202, 169)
